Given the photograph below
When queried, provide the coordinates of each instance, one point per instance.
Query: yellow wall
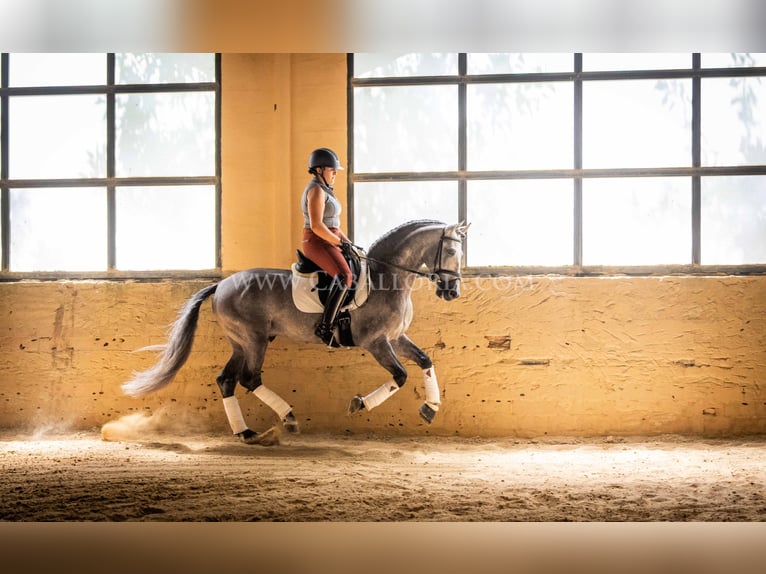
(276, 110)
(523, 356)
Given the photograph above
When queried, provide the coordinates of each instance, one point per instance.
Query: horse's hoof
(247, 435)
(427, 413)
(290, 424)
(268, 437)
(355, 405)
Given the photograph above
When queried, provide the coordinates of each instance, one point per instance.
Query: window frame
(110, 182)
(695, 172)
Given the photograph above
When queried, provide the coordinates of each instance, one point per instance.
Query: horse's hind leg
(251, 379)
(227, 382)
(234, 371)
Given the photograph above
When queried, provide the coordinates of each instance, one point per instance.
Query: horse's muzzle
(448, 290)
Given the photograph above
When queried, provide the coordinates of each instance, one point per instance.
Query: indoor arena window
(571, 163)
(109, 164)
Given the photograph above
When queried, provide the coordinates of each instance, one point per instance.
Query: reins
(431, 276)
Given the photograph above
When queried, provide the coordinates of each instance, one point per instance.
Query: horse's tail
(174, 353)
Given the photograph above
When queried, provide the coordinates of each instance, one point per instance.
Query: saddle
(311, 286)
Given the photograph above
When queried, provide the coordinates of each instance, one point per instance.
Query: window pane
(166, 227)
(165, 134)
(411, 128)
(520, 126)
(58, 229)
(506, 63)
(635, 61)
(733, 121)
(379, 207)
(524, 222)
(161, 68)
(637, 123)
(733, 220)
(733, 60)
(57, 137)
(640, 221)
(57, 70)
(404, 64)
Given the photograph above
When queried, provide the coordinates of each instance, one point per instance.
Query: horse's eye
(450, 251)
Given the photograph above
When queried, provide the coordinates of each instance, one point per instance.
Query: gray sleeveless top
(331, 216)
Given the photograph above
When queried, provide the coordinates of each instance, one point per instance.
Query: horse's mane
(406, 228)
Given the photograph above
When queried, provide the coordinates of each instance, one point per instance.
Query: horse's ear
(462, 228)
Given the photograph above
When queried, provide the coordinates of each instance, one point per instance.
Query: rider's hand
(346, 248)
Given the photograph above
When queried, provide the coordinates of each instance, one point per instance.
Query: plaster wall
(525, 356)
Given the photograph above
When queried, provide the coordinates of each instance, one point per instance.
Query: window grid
(110, 182)
(5, 216)
(696, 162)
(695, 172)
(577, 145)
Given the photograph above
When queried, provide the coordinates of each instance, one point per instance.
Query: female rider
(322, 235)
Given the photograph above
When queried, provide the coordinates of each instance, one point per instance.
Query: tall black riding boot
(335, 299)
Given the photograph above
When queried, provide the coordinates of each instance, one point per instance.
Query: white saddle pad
(306, 294)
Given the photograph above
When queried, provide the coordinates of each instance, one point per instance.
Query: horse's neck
(411, 247)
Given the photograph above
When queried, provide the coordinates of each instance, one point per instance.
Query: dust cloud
(138, 426)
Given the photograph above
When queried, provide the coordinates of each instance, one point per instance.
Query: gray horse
(256, 305)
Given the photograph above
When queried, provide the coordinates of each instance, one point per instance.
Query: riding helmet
(324, 157)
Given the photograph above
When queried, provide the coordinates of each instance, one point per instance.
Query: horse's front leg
(382, 351)
(407, 349)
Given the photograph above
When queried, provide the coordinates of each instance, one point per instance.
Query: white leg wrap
(273, 400)
(431, 385)
(234, 414)
(380, 395)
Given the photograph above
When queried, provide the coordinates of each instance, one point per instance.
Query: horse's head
(446, 272)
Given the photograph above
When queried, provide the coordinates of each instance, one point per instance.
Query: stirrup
(327, 334)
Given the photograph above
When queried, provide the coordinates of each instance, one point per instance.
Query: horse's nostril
(450, 294)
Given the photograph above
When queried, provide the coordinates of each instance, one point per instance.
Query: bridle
(437, 269)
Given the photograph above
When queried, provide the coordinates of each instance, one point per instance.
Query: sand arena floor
(156, 476)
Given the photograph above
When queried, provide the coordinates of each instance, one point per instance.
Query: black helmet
(324, 157)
